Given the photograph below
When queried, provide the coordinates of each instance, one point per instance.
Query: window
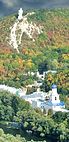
(55, 98)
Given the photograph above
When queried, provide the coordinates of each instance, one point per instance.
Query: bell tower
(54, 95)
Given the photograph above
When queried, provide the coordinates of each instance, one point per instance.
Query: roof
(54, 86)
(61, 104)
(55, 104)
(49, 103)
(34, 95)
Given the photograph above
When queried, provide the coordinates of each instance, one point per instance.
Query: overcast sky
(10, 6)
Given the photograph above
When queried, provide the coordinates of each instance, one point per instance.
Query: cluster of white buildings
(46, 101)
(42, 100)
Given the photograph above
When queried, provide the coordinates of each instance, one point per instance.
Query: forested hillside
(49, 50)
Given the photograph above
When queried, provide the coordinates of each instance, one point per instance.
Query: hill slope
(54, 22)
(47, 44)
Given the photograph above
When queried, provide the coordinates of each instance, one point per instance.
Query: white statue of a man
(20, 14)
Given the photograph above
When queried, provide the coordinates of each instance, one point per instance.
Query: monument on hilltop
(20, 14)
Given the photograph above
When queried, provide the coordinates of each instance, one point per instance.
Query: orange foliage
(5, 49)
(2, 70)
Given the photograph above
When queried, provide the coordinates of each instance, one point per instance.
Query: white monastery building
(46, 101)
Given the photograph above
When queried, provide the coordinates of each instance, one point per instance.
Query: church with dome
(46, 101)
